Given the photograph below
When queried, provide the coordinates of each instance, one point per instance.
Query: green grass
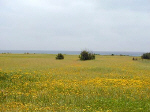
(39, 82)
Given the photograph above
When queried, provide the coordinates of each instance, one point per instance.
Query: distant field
(38, 82)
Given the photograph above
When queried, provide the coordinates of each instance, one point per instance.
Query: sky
(74, 25)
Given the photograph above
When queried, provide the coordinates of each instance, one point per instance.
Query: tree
(59, 56)
(146, 56)
(85, 55)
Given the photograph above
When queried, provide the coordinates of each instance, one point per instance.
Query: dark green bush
(85, 55)
(146, 56)
(59, 56)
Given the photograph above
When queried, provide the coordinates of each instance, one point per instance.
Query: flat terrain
(38, 82)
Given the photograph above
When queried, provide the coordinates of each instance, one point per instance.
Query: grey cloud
(74, 25)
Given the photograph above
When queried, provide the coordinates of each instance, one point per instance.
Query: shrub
(146, 56)
(85, 55)
(134, 58)
(59, 56)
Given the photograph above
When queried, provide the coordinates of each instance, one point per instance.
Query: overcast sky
(74, 25)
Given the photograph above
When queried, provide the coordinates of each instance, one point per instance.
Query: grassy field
(38, 82)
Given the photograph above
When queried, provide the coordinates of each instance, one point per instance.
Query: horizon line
(76, 50)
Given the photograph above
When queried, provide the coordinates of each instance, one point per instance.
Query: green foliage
(85, 55)
(146, 56)
(60, 56)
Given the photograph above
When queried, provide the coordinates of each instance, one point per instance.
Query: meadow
(39, 82)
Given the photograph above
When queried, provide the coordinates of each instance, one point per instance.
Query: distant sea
(71, 52)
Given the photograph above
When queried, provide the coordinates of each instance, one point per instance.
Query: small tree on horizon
(85, 55)
(146, 56)
(60, 56)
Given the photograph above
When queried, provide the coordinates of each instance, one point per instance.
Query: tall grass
(38, 82)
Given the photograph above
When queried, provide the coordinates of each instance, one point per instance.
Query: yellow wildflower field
(39, 82)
